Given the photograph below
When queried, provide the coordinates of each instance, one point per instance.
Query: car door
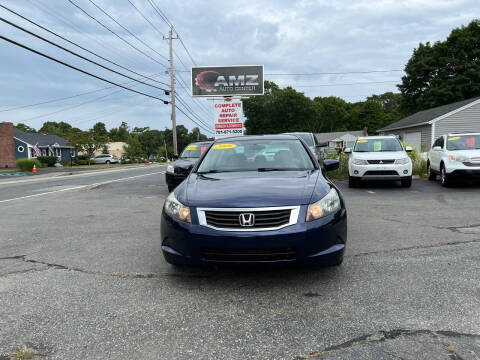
(436, 154)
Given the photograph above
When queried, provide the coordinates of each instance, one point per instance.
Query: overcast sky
(285, 36)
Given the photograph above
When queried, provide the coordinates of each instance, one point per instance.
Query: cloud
(286, 36)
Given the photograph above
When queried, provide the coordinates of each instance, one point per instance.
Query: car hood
(184, 163)
(380, 155)
(468, 153)
(252, 189)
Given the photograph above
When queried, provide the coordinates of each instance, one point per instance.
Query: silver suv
(105, 159)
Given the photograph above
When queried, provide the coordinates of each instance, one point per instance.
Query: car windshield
(378, 145)
(194, 151)
(463, 142)
(305, 137)
(256, 155)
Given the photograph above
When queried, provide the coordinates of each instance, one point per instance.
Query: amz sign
(227, 80)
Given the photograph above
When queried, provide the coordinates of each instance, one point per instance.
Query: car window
(378, 145)
(463, 142)
(307, 138)
(194, 151)
(252, 155)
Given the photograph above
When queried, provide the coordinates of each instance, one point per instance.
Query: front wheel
(444, 177)
(430, 175)
(406, 182)
(107, 162)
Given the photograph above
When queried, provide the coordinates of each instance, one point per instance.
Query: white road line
(75, 175)
(82, 186)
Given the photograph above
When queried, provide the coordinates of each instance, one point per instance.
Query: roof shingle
(39, 139)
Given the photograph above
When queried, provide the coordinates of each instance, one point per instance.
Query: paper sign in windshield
(454, 138)
(470, 142)
(377, 146)
(224, 146)
(362, 141)
(191, 147)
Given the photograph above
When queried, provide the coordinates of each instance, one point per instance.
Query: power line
(160, 13)
(208, 130)
(355, 83)
(146, 19)
(114, 33)
(124, 28)
(63, 98)
(81, 56)
(333, 73)
(78, 69)
(79, 46)
(190, 109)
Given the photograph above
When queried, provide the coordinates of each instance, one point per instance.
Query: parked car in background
(180, 168)
(454, 156)
(231, 211)
(379, 158)
(105, 159)
(309, 139)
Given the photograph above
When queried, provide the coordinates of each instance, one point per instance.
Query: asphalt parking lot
(82, 277)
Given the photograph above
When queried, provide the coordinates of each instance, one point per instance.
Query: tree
(61, 129)
(25, 128)
(332, 114)
(99, 131)
(85, 141)
(119, 134)
(133, 148)
(444, 72)
(151, 141)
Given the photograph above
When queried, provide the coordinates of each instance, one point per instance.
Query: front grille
(270, 254)
(381, 172)
(262, 219)
(477, 164)
(180, 171)
(475, 159)
(381, 162)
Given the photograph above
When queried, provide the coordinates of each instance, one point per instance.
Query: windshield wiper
(216, 171)
(277, 169)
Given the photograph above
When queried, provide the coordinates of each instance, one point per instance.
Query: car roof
(461, 134)
(258, 137)
(298, 132)
(201, 143)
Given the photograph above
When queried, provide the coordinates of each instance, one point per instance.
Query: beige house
(114, 148)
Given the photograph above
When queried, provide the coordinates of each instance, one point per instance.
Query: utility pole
(172, 85)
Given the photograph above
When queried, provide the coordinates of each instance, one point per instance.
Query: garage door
(414, 138)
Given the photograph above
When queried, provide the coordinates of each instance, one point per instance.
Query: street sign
(228, 118)
(227, 80)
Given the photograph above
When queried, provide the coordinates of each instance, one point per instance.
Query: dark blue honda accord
(256, 199)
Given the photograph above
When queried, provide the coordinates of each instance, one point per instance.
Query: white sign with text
(228, 118)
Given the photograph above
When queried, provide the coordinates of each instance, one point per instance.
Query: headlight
(170, 169)
(176, 209)
(459, 158)
(359, 162)
(403, 161)
(329, 204)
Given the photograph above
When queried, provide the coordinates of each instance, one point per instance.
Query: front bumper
(380, 171)
(320, 241)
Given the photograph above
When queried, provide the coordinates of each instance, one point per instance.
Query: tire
(406, 182)
(170, 188)
(352, 182)
(338, 263)
(107, 162)
(431, 175)
(444, 178)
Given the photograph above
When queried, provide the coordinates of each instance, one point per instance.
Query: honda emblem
(247, 219)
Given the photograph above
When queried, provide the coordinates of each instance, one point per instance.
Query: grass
(25, 353)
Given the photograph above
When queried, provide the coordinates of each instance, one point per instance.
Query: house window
(21, 149)
(44, 152)
(58, 152)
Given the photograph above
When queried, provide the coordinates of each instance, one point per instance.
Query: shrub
(47, 160)
(418, 161)
(82, 157)
(342, 172)
(27, 164)
(83, 162)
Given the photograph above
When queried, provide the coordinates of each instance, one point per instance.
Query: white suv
(454, 155)
(379, 158)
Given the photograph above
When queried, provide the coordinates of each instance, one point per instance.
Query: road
(82, 277)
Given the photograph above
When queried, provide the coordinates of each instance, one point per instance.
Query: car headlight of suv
(329, 204)
(459, 158)
(402, 161)
(170, 169)
(176, 209)
(359, 162)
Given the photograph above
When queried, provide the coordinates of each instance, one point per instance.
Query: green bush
(83, 162)
(82, 157)
(47, 160)
(342, 172)
(418, 161)
(27, 164)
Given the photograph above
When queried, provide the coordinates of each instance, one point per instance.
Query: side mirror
(437, 148)
(347, 151)
(331, 165)
(175, 157)
(408, 149)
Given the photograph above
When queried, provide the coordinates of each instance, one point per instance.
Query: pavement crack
(95, 272)
(382, 336)
(452, 243)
